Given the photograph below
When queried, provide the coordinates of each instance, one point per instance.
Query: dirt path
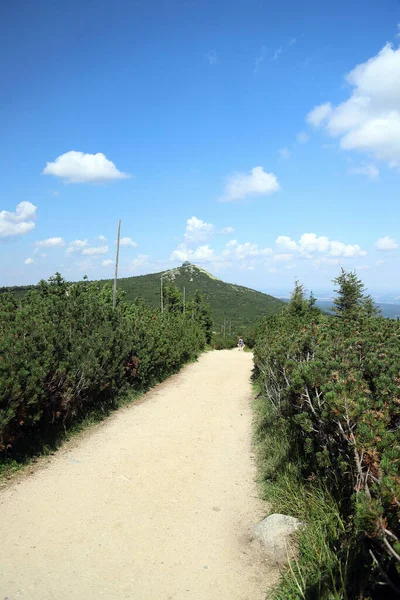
(154, 504)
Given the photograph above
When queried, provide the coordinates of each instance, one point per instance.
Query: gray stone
(276, 536)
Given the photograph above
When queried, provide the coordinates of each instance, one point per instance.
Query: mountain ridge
(237, 305)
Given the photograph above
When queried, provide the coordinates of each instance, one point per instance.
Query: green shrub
(332, 388)
(64, 351)
(221, 342)
(228, 341)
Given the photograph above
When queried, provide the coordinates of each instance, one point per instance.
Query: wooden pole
(116, 266)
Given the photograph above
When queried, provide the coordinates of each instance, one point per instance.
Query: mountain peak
(240, 305)
(189, 269)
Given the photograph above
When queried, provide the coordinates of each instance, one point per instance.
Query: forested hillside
(238, 305)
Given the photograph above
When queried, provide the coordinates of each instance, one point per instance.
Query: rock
(275, 534)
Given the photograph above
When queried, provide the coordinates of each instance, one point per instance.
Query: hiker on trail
(241, 344)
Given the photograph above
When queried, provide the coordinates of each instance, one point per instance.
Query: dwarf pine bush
(64, 351)
(330, 405)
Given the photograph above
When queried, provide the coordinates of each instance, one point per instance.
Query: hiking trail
(155, 503)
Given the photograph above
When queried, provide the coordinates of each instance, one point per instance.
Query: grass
(320, 571)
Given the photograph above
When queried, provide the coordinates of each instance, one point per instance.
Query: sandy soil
(153, 504)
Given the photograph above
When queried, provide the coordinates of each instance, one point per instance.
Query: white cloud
(181, 253)
(286, 242)
(128, 242)
(139, 262)
(203, 253)
(369, 120)
(198, 230)
(292, 41)
(277, 53)
(54, 242)
(43, 255)
(346, 250)
(284, 153)
(386, 243)
(95, 250)
(83, 247)
(76, 246)
(55, 193)
(249, 255)
(303, 137)
(234, 250)
(370, 170)
(319, 114)
(29, 261)
(20, 222)
(379, 263)
(78, 167)
(283, 257)
(107, 263)
(257, 183)
(325, 260)
(226, 231)
(362, 267)
(310, 244)
(212, 57)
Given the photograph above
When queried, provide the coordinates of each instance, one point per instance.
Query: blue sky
(258, 140)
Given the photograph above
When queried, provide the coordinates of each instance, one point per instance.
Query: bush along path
(328, 432)
(155, 502)
(64, 353)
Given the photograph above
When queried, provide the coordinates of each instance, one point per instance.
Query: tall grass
(320, 572)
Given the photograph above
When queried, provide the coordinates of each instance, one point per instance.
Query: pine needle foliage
(64, 352)
(329, 442)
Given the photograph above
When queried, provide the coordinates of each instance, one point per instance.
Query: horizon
(185, 127)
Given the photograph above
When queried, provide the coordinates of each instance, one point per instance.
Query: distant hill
(18, 290)
(388, 309)
(240, 306)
